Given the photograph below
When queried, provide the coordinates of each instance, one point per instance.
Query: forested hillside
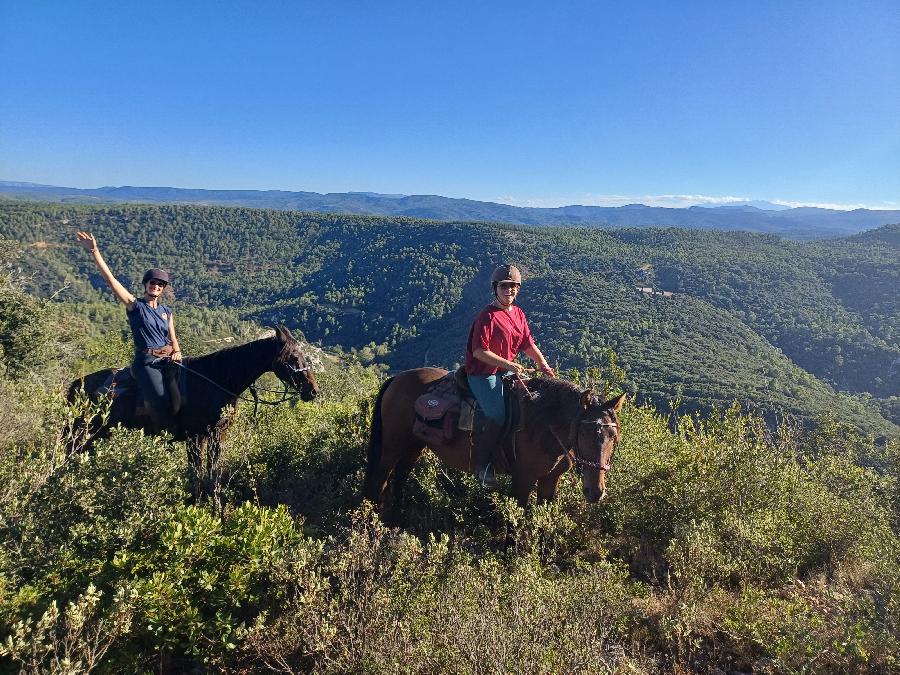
(710, 552)
(769, 322)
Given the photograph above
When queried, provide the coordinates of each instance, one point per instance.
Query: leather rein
(571, 448)
(254, 390)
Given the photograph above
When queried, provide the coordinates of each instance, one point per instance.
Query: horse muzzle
(308, 392)
(593, 495)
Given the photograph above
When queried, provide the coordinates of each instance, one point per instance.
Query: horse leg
(401, 475)
(522, 486)
(195, 446)
(376, 483)
(213, 470)
(546, 488)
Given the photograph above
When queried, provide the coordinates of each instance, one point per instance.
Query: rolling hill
(776, 324)
(797, 223)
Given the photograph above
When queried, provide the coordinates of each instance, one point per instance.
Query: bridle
(293, 370)
(255, 390)
(571, 448)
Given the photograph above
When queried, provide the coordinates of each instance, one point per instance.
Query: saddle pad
(438, 411)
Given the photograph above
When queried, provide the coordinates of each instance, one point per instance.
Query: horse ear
(283, 333)
(587, 397)
(616, 403)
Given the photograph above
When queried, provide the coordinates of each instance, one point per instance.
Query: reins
(572, 446)
(254, 390)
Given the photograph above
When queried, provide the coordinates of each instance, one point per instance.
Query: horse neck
(556, 409)
(237, 368)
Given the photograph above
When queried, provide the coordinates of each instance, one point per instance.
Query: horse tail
(373, 452)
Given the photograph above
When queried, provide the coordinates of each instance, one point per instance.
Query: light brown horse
(562, 425)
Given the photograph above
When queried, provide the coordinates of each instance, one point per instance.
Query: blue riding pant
(149, 372)
(488, 390)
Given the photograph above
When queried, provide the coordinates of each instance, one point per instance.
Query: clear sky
(530, 103)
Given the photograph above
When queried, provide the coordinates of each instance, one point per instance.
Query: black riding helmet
(156, 273)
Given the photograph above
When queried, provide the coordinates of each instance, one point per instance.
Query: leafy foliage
(710, 551)
(728, 540)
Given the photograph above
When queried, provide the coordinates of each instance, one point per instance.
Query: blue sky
(530, 103)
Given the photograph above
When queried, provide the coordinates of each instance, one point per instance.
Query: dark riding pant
(150, 373)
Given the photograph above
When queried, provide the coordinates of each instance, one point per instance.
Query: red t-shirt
(505, 333)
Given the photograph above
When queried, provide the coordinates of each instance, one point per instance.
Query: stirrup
(487, 478)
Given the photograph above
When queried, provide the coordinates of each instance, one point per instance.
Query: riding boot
(483, 452)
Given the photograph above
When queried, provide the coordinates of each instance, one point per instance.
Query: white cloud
(671, 201)
(884, 206)
(676, 201)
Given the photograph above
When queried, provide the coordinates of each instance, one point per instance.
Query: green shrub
(205, 579)
(92, 507)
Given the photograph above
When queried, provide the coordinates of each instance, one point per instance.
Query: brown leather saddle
(448, 407)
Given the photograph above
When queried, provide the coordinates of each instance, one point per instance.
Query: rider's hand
(86, 240)
(517, 368)
(176, 356)
(547, 370)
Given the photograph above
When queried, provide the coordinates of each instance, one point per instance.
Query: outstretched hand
(86, 240)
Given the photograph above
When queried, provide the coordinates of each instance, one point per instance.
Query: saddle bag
(437, 415)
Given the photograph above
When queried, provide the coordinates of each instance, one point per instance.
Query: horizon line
(673, 201)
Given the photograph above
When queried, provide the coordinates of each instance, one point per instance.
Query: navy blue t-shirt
(149, 326)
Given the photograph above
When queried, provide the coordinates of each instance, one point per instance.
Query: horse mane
(228, 365)
(554, 399)
(226, 353)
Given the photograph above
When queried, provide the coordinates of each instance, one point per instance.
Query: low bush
(721, 545)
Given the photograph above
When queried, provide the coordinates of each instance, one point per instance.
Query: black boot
(483, 452)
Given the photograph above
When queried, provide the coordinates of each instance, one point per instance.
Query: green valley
(723, 316)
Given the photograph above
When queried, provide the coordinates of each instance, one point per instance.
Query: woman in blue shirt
(152, 328)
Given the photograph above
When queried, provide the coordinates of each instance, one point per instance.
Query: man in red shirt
(499, 333)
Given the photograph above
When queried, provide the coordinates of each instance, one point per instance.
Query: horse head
(595, 434)
(292, 367)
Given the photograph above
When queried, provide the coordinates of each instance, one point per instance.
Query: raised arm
(89, 243)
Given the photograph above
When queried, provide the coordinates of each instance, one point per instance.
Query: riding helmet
(156, 273)
(506, 273)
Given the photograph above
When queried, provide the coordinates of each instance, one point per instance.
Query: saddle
(448, 406)
(121, 383)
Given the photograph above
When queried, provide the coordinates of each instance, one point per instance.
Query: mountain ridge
(801, 223)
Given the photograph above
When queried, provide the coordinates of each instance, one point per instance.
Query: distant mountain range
(793, 223)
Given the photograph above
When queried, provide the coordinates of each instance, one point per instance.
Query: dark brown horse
(562, 426)
(212, 383)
